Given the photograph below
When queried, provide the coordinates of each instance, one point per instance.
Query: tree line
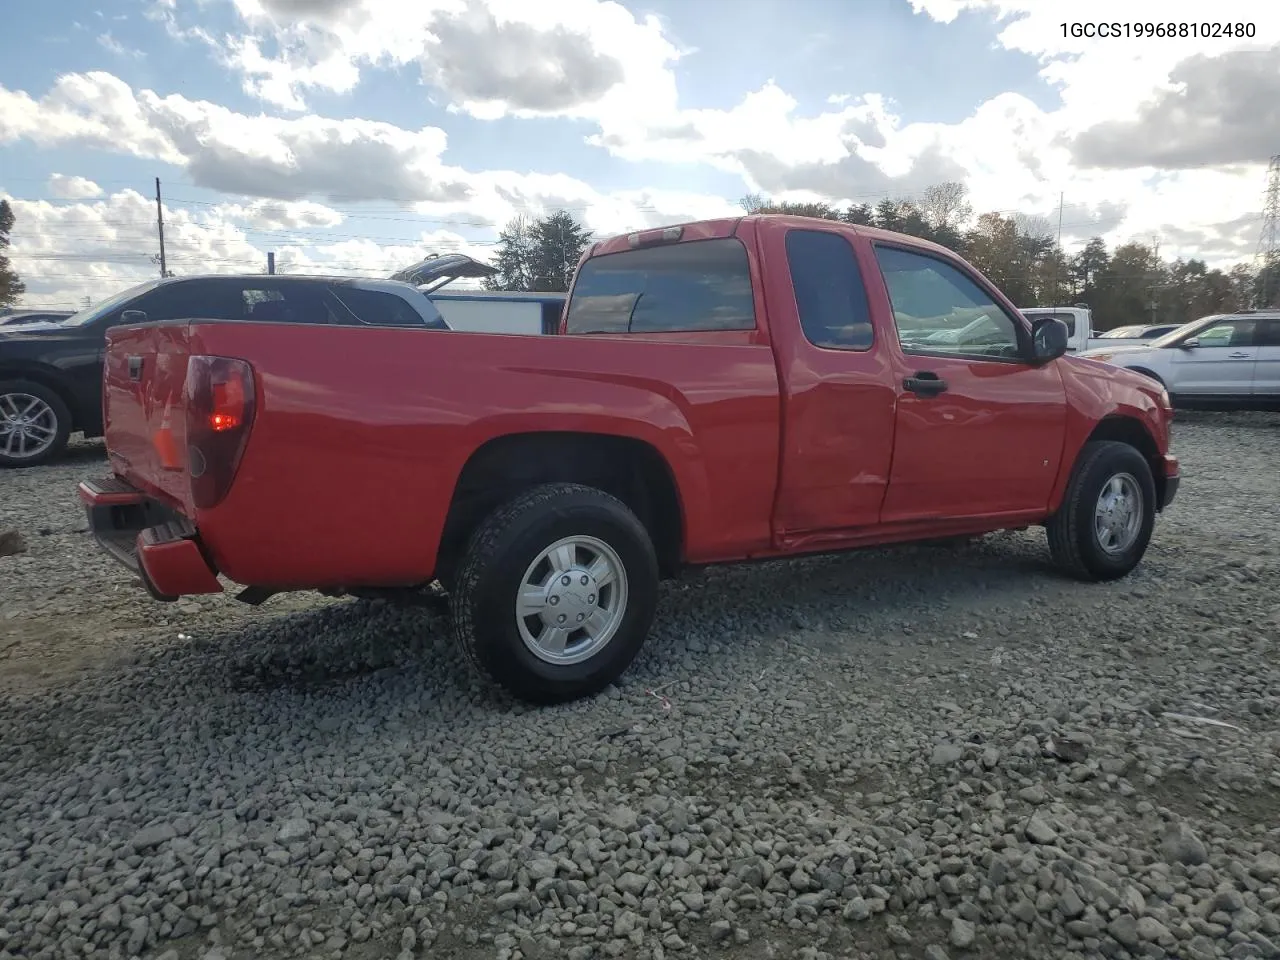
(1128, 285)
(11, 287)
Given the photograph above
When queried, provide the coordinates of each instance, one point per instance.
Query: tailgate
(144, 376)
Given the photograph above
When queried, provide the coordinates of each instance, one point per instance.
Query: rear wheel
(34, 424)
(556, 593)
(1104, 525)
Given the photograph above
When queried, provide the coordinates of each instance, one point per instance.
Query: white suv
(1229, 360)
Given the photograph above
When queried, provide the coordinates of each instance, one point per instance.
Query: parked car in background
(51, 373)
(1139, 332)
(1221, 361)
(1080, 333)
(490, 311)
(17, 317)
(478, 310)
(728, 390)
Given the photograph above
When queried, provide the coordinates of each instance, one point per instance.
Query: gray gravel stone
(963, 933)
(1125, 929)
(946, 753)
(1040, 832)
(847, 745)
(1181, 845)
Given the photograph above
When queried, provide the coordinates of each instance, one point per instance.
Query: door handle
(135, 368)
(926, 383)
(1239, 356)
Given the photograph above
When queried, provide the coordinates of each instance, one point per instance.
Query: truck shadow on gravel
(826, 598)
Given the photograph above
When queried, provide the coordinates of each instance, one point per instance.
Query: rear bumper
(158, 545)
(1172, 478)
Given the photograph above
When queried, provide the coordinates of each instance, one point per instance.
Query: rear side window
(681, 287)
(830, 295)
(378, 309)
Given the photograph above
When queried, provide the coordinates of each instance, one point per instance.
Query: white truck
(1080, 335)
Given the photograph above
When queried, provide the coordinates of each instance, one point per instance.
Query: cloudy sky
(355, 136)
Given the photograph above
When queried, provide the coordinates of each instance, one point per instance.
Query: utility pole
(1155, 268)
(1057, 258)
(271, 261)
(1267, 259)
(160, 228)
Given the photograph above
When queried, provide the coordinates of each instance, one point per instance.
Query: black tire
(492, 572)
(1073, 540)
(62, 423)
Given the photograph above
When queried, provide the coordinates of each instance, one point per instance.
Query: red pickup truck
(727, 390)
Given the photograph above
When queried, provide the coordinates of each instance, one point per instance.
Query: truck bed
(413, 405)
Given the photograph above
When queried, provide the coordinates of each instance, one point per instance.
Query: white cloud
(257, 155)
(599, 62)
(286, 162)
(73, 188)
(575, 58)
(108, 42)
(68, 251)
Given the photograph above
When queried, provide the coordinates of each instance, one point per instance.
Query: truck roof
(728, 227)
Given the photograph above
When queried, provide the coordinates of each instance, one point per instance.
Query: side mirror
(1188, 344)
(1049, 338)
(133, 316)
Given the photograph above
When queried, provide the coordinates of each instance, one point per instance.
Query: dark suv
(51, 373)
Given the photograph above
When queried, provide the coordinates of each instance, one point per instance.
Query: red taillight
(220, 407)
(228, 402)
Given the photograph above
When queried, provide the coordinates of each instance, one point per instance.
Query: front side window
(939, 310)
(1230, 333)
(830, 296)
(700, 285)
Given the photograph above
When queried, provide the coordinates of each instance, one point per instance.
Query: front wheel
(1102, 529)
(556, 593)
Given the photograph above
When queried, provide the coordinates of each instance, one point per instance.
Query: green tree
(1267, 286)
(538, 255)
(754, 203)
(558, 244)
(515, 256)
(1128, 288)
(1086, 266)
(11, 287)
(860, 215)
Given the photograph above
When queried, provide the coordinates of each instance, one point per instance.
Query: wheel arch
(1132, 431)
(1146, 372)
(628, 468)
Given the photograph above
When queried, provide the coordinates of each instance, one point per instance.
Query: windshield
(1187, 330)
(1120, 332)
(90, 314)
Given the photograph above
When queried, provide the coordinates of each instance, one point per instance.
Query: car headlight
(1103, 357)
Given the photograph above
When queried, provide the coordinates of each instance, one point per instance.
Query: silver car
(1224, 361)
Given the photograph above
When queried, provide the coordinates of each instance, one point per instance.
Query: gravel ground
(922, 753)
